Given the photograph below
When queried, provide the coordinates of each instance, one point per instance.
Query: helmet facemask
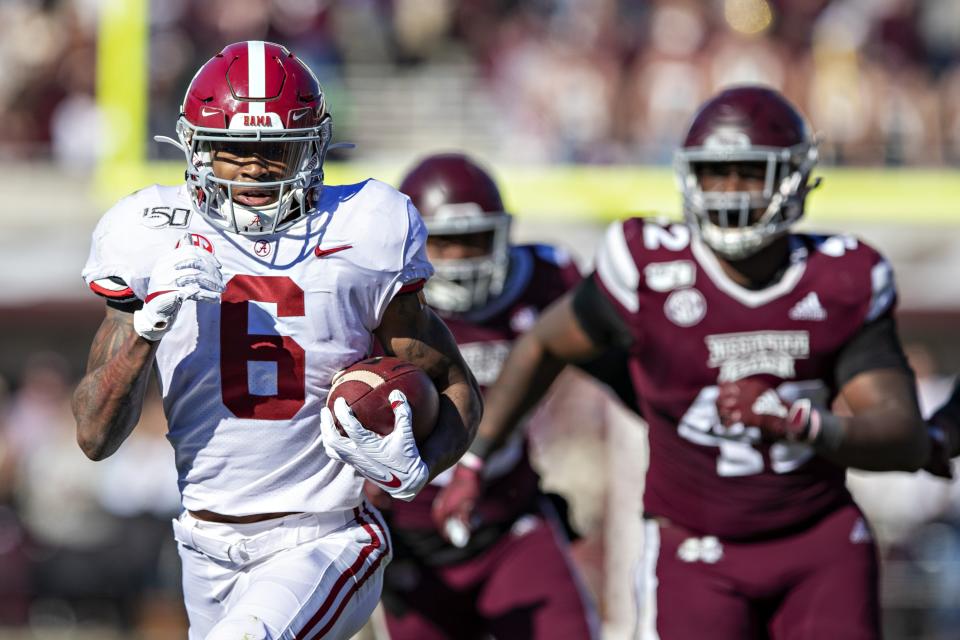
(737, 224)
(294, 157)
(460, 285)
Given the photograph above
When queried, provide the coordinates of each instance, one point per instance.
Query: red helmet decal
(254, 78)
(254, 92)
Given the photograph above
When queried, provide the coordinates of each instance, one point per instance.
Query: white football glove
(186, 273)
(392, 462)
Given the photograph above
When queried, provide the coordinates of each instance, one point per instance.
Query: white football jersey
(243, 382)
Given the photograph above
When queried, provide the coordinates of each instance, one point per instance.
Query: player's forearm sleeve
(597, 316)
(876, 346)
(948, 417)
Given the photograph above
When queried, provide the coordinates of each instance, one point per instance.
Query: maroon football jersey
(692, 326)
(538, 275)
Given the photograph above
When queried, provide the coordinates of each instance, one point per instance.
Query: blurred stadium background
(577, 105)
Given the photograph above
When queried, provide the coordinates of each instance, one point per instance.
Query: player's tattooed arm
(412, 331)
(108, 400)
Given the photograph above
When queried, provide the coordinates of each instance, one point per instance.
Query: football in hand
(366, 386)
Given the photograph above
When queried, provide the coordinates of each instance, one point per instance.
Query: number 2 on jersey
(239, 347)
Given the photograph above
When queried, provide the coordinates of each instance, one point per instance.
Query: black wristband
(829, 437)
(482, 447)
(946, 418)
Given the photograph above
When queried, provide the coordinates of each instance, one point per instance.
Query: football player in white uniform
(249, 286)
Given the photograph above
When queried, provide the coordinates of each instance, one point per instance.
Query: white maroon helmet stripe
(256, 76)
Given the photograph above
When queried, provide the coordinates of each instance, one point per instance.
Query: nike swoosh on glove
(185, 273)
(393, 461)
(754, 403)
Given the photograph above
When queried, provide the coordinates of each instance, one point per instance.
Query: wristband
(482, 447)
(947, 418)
(945, 432)
(472, 461)
(830, 432)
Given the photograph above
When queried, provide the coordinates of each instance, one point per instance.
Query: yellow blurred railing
(603, 193)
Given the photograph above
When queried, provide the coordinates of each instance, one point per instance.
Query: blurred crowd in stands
(599, 81)
(570, 80)
(81, 544)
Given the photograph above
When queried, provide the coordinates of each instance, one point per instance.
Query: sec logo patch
(685, 307)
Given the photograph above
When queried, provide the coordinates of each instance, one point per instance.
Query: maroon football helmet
(255, 99)
(758, 126)
(456, 196)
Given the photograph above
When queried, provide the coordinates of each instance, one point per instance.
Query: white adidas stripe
(617, 268)
(256, 76)
(884, 290)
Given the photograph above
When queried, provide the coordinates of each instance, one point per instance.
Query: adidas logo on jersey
(809, 308)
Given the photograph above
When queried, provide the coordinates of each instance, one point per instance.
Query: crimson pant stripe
(378, 539)
(366, 575)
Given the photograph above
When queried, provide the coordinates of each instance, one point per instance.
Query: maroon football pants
(523, 587)
(816, 584)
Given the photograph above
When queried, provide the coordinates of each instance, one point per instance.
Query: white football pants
(302, 577)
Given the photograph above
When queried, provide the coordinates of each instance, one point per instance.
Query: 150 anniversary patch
(159, 217)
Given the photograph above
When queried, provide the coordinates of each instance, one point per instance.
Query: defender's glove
(393, 461)
(453, 507)
(754, 403)
(186, 273)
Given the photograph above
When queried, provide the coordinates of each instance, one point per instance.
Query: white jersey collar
(752, 297)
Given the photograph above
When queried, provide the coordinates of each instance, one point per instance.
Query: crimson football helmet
(254, 99)
(757, 126)
(457, 197)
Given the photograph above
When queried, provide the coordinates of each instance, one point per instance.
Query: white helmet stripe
(256, 75)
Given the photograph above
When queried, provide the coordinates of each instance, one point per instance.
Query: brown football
(366, 386)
